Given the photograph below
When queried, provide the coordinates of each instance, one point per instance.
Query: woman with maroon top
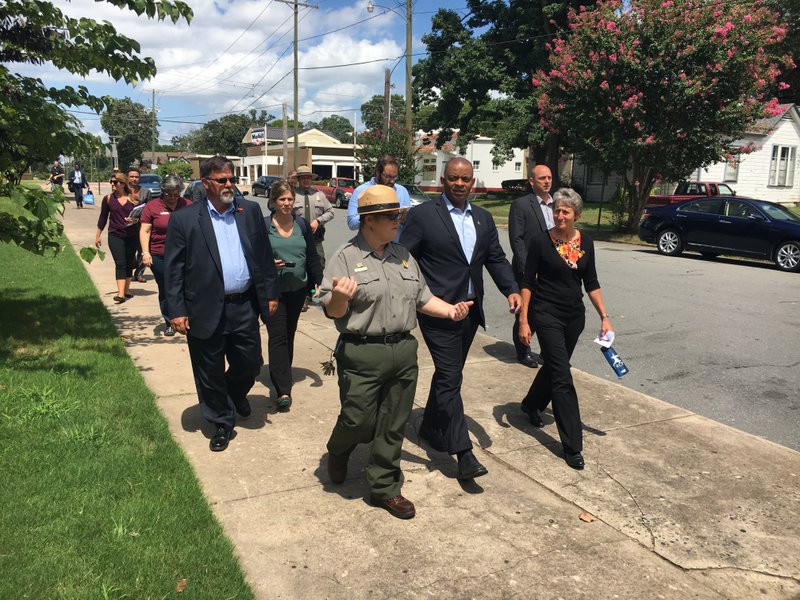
(115, 211)
(153, 236)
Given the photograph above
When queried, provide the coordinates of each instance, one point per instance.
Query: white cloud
(199, 78)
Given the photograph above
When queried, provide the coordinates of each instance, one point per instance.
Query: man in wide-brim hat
(312, 205)
(372, 289)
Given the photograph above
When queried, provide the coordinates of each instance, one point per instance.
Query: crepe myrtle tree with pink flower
(654, 89)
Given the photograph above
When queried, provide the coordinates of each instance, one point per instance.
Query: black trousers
(444, 424)
(236, 339)
(158, 274)
(78, 191)
(557, 339)
(282, 327)
(123, 250)
(522, 349)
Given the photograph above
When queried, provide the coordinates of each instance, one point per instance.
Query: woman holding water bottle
(560, 262)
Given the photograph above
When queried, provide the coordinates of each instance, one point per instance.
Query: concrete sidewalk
(685, 507)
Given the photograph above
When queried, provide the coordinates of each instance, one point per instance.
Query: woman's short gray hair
(172, 183)
(568, 197)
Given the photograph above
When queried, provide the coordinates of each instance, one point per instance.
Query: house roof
(768, 125)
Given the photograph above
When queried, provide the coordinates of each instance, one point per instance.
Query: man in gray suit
(527, 216)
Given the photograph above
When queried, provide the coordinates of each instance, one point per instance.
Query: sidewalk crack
(744, 570)
(644, 520)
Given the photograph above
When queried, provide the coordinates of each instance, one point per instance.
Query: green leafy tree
(477, 76)
(372, 111)
(279, 123)
(789, 79)
(372, 146)
(34, 122)
(133, 126)
(655, 89)
(338, 126)
(176, 167)
(221, 136)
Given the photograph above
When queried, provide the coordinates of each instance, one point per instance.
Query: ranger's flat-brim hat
(377, 199)
(304, 170)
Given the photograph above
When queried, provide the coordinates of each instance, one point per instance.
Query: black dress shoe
(337, 467)
(528, 360)
(220, 440)
(574, 460)
(243, 407)
(399, 507)
(533, 416)
(469, 467)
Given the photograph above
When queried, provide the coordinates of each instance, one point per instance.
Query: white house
(769, 172)
(488, 176)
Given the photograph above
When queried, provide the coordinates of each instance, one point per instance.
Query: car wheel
(340, 201)
(669, 242)
(787, 257)
(709, 255)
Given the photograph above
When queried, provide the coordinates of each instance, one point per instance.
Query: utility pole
(153, 153)
(409, 117)
(355, 142)
(387, 102)
(285, 143)
(296, 4)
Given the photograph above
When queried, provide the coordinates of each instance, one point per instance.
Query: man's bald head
(458, 180)
(541, 180)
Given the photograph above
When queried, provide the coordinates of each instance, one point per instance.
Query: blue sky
(237, 55)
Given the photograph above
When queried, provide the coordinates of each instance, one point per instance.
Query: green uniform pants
(377, 383)
(321, 252)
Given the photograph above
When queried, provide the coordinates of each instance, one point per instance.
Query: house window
(595, 176)
(518, 167)
(731, 169)
(781, 167)
(476, 165)
(495, 167)
(429, 169)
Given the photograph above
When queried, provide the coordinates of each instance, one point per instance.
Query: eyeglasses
(387, 177)
(392, 216)
(223, 180)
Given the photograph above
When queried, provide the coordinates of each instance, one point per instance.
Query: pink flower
(604, 85)
(782, 85)
(650, 139)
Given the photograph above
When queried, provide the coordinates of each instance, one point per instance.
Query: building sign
(257, 137)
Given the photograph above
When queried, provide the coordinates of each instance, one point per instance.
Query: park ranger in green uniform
(372, 289)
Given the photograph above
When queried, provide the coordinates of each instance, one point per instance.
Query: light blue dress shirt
(352, 206)
(465, 228)
(235, 272)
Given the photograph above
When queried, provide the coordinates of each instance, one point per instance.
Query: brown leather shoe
(399, 507)
(337, 468)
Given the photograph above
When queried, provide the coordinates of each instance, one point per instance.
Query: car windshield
(777, 212)
(347, 183)
(150, 179)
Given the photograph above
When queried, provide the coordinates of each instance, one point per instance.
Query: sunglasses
(224, 180)
(392, 216)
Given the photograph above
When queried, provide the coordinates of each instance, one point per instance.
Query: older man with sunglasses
(220, 276)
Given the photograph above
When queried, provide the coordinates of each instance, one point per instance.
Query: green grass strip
(98, 500)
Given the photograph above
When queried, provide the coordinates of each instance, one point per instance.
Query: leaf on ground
(587, 517)
(181, 585)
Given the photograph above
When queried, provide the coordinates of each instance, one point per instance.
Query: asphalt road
(720, 338)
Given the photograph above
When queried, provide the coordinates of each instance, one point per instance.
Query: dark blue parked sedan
(726, 225)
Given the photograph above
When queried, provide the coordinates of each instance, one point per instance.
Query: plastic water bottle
(615, 361)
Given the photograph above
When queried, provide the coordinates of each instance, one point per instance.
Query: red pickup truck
(338, 190)
(687, 190)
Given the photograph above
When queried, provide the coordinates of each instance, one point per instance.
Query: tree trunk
(638, 188)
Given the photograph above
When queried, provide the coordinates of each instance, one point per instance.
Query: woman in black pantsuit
(559, 262)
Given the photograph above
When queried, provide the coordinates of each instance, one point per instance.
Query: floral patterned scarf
(570, 251)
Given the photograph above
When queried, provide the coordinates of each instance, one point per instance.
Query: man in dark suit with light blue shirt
(220, 276)
(453, 241)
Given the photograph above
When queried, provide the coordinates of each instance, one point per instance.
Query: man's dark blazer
(195, 287)
(525, 219)
(430, 236)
